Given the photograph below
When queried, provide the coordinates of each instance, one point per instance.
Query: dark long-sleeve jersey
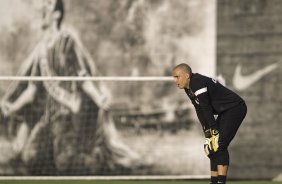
(210, 98)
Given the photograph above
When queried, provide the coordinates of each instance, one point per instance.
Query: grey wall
(250, 34)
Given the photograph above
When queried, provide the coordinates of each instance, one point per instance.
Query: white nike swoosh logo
(241, 82)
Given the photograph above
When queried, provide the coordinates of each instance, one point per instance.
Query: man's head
(182, 74)
(53, 13)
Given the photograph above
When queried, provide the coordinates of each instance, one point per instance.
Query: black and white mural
(106, 127)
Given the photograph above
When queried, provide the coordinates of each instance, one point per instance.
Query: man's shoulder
(198, 81)
(69, 32)
(198, 78)
(68, 38)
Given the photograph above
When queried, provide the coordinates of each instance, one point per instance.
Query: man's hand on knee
(208, 147)
(214, 139)
(211, 141)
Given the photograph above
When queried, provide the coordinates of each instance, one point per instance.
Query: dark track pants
(228, 123)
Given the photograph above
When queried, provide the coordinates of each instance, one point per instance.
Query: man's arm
(28, 94)
(26, 97)
(203, 104)
(94, 93)
(88, 86)
(205, 112)
(205, 115)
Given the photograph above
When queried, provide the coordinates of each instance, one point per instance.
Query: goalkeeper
(211, 98)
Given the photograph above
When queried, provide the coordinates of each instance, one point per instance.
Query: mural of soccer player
(70, 128)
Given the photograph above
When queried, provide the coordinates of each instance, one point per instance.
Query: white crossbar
(98, 78)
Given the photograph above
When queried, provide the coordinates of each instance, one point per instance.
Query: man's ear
(187, 75)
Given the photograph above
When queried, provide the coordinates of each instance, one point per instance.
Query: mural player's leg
(64, 145)
(37, 153)
(109, 145)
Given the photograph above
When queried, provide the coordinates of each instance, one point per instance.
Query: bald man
(210, 98)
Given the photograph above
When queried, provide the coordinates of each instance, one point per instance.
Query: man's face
(48, 7)
(181, 78)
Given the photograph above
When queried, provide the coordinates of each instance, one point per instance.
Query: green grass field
(127, 182)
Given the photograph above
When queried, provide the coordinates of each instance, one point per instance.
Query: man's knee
(220, 157)
(213, 164)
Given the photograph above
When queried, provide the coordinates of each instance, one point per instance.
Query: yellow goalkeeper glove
(208, 147)
(214, 139)
(211, 141)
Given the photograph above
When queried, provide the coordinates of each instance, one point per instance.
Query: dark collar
(191, 77)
